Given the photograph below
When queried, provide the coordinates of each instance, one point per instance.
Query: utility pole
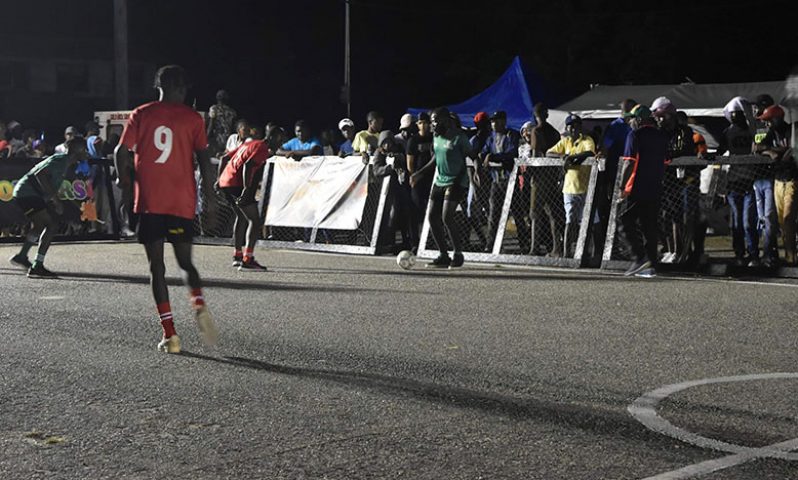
(121, 87)
(347, 78)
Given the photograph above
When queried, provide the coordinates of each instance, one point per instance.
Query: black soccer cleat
(21, 261)
(457, 261)
(38, 271)
(443, 261)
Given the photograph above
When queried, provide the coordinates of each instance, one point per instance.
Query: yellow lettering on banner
(6, 191)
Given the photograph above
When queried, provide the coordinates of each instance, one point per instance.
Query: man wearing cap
(419, 153)
(762, 102)
(479, 190)
(763, 185)
(664, 113)
(645, 155)
(347, 128)
(737, 139)
(776, 144)
(574, 148)
(407, 128)
(498, 157)
(70, 133)
(220, 123)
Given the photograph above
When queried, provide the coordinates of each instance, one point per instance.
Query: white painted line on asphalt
(51, 297)
(731, 281)
(644, 410)
(718, 464)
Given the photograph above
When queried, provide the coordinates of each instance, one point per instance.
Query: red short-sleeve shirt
(256, 152)
(164, 137)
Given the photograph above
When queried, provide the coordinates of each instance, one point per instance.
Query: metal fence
(362, 240)
(712, 211)
(521, 217)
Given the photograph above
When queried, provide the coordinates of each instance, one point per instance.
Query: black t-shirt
(421, 150)
(738, 141)
(784, 169)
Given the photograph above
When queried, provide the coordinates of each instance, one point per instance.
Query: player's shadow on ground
(216, 283)
(594, 419)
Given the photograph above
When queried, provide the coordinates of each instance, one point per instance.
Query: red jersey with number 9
(164, 137)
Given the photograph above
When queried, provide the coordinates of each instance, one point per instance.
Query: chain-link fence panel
(523, 216)
(371, 226)
(91, 208)
(721, 210)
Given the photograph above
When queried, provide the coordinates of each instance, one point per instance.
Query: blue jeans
(743, 223)
(766, 211)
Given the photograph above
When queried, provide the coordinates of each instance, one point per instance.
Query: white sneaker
(669, 257)
(206, 325)
(647, 273)
(170, 345)
(637, 267)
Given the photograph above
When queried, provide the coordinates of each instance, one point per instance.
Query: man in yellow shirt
(365, 141)
(574, 147)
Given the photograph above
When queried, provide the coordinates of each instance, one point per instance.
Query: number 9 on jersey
(163, 142)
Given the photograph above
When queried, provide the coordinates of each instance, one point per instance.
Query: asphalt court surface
(346, 367)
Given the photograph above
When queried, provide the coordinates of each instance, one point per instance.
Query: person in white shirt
(237, 139)
(70, 133)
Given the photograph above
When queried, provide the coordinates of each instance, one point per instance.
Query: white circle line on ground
(644, 410)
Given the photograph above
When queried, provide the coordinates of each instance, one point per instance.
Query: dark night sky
(284, 60)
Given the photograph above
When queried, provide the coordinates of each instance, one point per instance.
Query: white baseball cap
(406, 121)
(345, 122)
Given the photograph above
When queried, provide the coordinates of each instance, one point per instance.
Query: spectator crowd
(663, 209)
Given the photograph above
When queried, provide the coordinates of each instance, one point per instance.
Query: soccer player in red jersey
(238, 184)
(165, 135)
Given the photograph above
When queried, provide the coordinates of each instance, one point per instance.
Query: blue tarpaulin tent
(509, 93)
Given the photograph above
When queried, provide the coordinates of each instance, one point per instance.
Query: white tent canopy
(697, 100)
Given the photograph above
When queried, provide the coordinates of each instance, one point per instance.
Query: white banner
(322, 192)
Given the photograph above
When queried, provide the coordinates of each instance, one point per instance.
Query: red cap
(481, 117)
(773, 111)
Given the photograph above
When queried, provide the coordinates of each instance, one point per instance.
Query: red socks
(197, 300)
(165, 314)
(237, 253)
(249, 254)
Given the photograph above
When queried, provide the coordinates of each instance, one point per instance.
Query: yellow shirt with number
(576, 178)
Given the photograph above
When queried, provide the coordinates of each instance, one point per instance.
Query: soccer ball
(406, 259)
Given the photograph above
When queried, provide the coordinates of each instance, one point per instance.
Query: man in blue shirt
(301, 146)
(498, 157)
(611, 148)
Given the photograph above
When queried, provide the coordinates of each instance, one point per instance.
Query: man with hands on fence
(574, 148)
(776, 144)
(645, 155)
